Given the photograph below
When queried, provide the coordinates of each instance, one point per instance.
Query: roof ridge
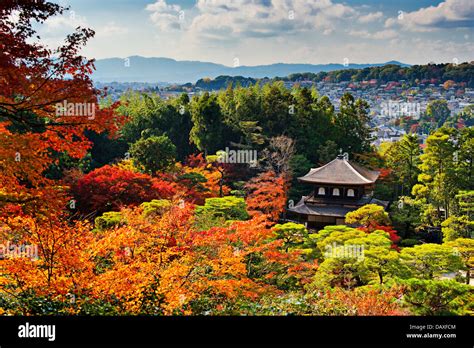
(319, 168)
(342, 171)
(356, 172)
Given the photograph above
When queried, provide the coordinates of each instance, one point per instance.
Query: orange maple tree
(53, 260)
(47, 102)
(368, 302)
(34, 79)
(151, 264)
(267, 195)
(160, 264)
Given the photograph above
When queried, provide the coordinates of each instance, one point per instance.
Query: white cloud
(111, 29)
(234, 19)
(448, 14)
(165, 17)
(379, 35)
(261, 32)
(70, 20)
(328, 31)
(385, 34)
(370, 17)
(56, 28)
(443, 51)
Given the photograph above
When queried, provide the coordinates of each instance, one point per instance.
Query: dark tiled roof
(335, 210)
(343, 201)
(341, 171)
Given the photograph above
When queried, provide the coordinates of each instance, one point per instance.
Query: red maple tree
(111, 187)
(34, 80)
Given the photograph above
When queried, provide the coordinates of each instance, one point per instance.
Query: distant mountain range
(142, 69)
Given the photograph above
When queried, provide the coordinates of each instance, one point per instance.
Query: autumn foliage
(60, 265)
(394, 237)
(368, 302)
(267, 195)
(111, 187)
(152, 265)
(33, 80)
(196, 180)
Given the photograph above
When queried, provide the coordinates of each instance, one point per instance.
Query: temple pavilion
(339, 187)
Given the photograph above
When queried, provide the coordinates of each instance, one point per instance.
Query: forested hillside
(411, 75)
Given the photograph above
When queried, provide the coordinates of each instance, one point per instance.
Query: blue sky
(253, 32)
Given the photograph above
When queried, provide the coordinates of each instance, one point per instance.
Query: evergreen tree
(208, 128)
(404, 157)
(439, 182)
(353, 131)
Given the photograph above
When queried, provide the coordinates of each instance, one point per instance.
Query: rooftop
(335, 210)
(340, 171)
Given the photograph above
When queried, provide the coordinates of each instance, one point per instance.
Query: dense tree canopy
(153, 154)
(413, 75)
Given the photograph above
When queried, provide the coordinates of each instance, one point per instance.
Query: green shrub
(438, 297)
(238, 193)
(293, 234)
(108, 220)
(229, 208)
(456, 227)
(155, 207)
(153, 154)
